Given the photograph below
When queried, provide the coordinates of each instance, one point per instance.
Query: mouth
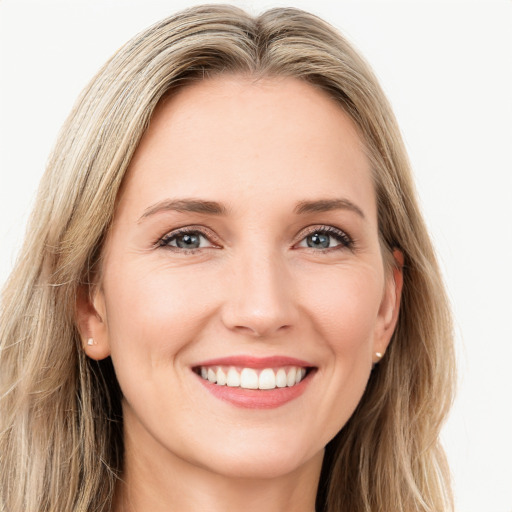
(253, 378)
(255, 383)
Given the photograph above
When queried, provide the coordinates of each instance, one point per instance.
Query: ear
(390, 306)
(92, 322)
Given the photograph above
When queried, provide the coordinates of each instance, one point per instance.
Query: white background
(447, 69)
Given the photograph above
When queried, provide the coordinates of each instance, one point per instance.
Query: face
(244, 254)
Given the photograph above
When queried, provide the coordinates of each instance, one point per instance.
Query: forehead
(229, 137)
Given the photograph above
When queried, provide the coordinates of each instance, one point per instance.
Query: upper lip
(256, 362)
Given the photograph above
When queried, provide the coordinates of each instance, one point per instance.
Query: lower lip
(256, 398)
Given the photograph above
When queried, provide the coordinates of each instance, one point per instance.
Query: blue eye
(326, 238)
(319, 240)
(322, 238)
(187, 240)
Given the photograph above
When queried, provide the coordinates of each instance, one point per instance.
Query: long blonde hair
(61, 446)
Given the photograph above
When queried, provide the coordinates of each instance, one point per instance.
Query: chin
(260, 464)
(262, 457)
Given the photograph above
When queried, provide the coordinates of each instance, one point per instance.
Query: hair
(61, 444)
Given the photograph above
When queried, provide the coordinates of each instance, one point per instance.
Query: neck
(167, 483)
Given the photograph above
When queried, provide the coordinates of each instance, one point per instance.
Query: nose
(260, 298)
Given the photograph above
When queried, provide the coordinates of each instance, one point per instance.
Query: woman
(228, 297)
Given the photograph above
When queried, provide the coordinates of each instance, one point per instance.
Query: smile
(251, 378)
(255, 382)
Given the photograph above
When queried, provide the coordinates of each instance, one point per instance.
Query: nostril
(262, 329)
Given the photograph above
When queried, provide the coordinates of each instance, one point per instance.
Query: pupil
(188, 241)
(318, 240)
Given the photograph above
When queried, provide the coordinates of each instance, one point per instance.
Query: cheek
(344, 305)
(155, 313)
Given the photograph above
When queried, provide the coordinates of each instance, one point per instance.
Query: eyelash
(345, 241)
(191, 230)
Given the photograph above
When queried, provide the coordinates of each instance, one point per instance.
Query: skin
(253, 288)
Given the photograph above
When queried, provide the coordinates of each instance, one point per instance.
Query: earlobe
(390, 306)
(91, 322)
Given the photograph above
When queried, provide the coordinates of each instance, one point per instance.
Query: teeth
(248, 378)
(290, 379)
(221, 377)
(281, 378)
(267, 379)
(233, 379)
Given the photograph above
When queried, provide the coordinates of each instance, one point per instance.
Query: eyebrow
(215, 208)
(185, 205)
(325, 205)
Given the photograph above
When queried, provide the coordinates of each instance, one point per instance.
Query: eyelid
(346, 241)
(202, 230)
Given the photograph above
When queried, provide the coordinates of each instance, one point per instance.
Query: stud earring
(379, 355)
(90, 341)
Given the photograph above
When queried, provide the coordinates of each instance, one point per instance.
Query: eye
(185, 239)
(326, 237)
